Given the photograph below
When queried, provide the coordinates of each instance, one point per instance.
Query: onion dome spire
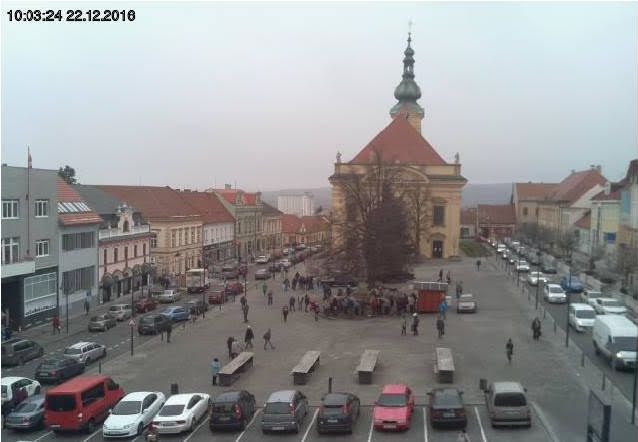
(408, 92)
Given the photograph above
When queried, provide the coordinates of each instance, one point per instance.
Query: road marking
(43, 436)
(91, 435)
(478, 418)
(195, 430)
(371, 428)
(425, 426)
(249, 424)
(314, 417)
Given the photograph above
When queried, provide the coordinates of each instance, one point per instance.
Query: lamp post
(538, 276)
(569, 261)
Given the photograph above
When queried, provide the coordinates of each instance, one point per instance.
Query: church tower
(408, 92)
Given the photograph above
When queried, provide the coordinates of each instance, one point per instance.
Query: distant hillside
(473, 194)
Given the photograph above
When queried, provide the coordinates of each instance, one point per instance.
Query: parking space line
(314, 417)
(196, 429)
(249, 424)
(43, 436)
(425, 426)
(371, 428)
(91, 435)
(478, 418)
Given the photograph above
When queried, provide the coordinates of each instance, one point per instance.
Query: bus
(196, 280)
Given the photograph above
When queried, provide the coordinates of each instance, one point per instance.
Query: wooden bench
(306, 365)
(230, 372)
(366, 366)
(444, 365)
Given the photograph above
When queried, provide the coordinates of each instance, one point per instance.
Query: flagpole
(28, 201)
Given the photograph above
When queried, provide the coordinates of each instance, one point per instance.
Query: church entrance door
(437, 249)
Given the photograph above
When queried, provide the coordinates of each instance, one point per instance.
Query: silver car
(85, 352)
(120, 312)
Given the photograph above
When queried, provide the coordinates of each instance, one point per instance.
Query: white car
(609, 306)
(285, 263)
(85, 352)
(533, 278)
(133, 413)
(590, 296)
(554, 293)
(262, 259)
(120, 312)
(168, 296)
(12, 384)
(181, 412)
(522, 266)
(466, 303)
(581, 316)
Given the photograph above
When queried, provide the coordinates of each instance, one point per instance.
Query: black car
(338, 412)
(153, 324)
(232, 409)
(446, 408)
(55, 370)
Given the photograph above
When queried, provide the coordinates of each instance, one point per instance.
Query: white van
(615, 337)
(581, 316)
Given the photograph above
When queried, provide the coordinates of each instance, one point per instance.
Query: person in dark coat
(248, 338)
(267, 337)
(291, 302)
(509, 350)
(306, 300)
(441, 275)
(244, 310)
(440, 326)
(169, 329)
(229, 344)
(415, 324)
(536, 328)
(284, 311)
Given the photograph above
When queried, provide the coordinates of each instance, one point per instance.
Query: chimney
(228, 186)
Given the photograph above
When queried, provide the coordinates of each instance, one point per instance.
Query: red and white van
(81, 403)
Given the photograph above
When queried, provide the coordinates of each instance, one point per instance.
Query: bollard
(582, 359)
(330, 385)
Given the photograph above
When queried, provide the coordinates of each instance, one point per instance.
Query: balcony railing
(116, 233)
(23, 266)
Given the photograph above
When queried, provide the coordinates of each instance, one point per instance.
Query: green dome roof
(407, 92)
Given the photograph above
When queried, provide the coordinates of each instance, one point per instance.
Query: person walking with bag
(215, 367)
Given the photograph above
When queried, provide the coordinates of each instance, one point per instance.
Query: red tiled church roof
(400, 143)
(67, 194)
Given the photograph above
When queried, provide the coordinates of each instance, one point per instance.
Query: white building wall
(300, 205)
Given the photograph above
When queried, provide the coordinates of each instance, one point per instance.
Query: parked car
(507, 404)
(153, 324)
(285, 264)
(581, 316)
(181, 412)
(263, 259)
(590, 296)
(145, 304)
(285, 410)
(615, 337)
(522, 266)
(230, 272)
(10, 387)
(571, 285)
(338, 413)
(120, 312)
(609, 306)
(548, 269)
(54, 370)
(27, 415)
(232, 409)
(17, 351)
(85, 352)
(176, 313)
(132, 414)
(234, 288)
(533, 278)
(446, 408)
(196, 306)
(168, 296)
(466, 304)
(101, 323)
(394, 408)
(554, 293)
(262, 274)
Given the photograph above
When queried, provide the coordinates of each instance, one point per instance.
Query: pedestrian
(243, 301)
(478, 265)
(87, 306)
(264, 288)
(443, 308)
(235, 349)
(229, 344)
(300, 303)
(56, 324)
(284, 311)
(291, 302)
(270, 297)
(462, 436)
(509, 350)
(267, 337)
(415, 324)
(215, 367)
(441, 275)
(448, 278)
(306, 300)
(169, 329)
(404, 325)
(286, 284)
(440, 326)
(248, 338)
(536, 328)
(244, 309)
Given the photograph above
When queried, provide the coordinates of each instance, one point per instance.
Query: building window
(115, 254)
(41, 208)
(144, 248)
(173, 238)
(192, 235)
(536, 212)
(10, 250)
(78, 279)
(525, 211)
(10, 209)
(125, 252)
(73, 241)
(239, 227)
(135, 251)
(40, 293)
(105, 256)
(181, 237)
(439, 215)
(153, 243)
(198, 236)
(42, 248)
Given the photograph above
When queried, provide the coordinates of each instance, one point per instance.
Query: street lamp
(538, 282)
(569, 285)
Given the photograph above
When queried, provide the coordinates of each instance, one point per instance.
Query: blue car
(572, 285)
(177, 313)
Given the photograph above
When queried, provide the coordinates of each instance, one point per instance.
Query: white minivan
(581, 316)
(614, 337)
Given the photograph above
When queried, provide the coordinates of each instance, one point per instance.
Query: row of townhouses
(67, 246)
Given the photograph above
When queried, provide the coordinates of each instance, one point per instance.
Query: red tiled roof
(584, 222)
(315, 223)
(154, 202)
(290, 223)
(67, 194)
(496, 214)
(614, 192)
(400, 143)
(230, 195)
(534, 191)
(208, 206)
(576, 184)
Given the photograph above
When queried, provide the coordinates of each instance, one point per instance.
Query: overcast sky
(264, 94)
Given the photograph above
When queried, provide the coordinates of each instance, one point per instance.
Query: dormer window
(125, 226)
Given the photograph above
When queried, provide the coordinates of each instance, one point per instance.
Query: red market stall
(429, 295)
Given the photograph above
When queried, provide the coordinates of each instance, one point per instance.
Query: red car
(393, 410)
(144, 305)
(234, 288)
(217, 296)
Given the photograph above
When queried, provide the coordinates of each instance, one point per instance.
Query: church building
(429, 186)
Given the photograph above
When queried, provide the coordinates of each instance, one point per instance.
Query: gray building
(30, 246)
